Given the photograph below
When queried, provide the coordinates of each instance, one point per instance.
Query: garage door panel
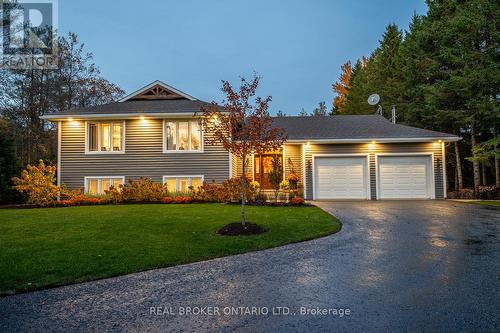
(340, 178)
(404, 177)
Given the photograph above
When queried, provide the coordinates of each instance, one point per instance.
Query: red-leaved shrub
(167, 200)
(297, 201)
(182, 200)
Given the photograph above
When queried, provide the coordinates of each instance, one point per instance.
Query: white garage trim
(367, 170)
(431, 171)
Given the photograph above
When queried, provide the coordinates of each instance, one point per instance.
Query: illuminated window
(105, 136)
(182, 136)
(98, 185)
(182, 183)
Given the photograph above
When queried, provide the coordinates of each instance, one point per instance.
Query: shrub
(206, 192)
(484, 193)
(182, 200)
(72, 195)
(167, 200)
(297, 201)
(94, 201)
(38, 182)
(66, 203)
(230, 190)
(284, 185)
(144, 189)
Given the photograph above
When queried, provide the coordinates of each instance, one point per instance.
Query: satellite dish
(373, 99)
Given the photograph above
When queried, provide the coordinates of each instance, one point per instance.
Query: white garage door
(404, 177)
(340, 178)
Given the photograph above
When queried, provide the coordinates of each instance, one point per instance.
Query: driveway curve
(395, 265)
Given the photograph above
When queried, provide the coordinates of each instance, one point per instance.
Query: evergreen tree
(320, 110)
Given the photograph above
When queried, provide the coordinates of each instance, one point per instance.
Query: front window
(182, 136)
(98, 185)
(182, 183)
(105, 137)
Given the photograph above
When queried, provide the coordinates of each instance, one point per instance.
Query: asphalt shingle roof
(298, 128)
(149, 106)
(350, 127)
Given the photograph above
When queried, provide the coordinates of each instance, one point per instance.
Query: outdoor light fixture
(70, 119)
(373, 142)
(142, 118)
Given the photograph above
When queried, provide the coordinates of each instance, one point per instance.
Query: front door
(263, 164)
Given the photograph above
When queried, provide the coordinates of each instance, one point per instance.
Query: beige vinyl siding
(234, 166)
(294, 153)
(372, 150)
(238, 166)
(143, 156)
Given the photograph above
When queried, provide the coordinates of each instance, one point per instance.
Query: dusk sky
(297, 46)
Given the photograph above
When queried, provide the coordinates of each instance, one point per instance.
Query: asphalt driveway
(396, 265)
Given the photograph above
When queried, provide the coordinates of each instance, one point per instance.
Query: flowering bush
(284, 185)
(254, 185)
(38, 182)
(297, 201)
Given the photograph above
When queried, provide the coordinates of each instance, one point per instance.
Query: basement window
(97, 185)
(182, 183)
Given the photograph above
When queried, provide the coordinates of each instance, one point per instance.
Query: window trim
(89, 152)
(182, 176)
(86, 178)
(164, 146)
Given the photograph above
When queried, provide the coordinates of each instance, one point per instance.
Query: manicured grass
(56, 246)
(486, 203)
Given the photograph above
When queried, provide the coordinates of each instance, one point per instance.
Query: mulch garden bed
(237, 229)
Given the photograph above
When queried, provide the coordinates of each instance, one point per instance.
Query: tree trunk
(497, 170)
(483, 174)
(244, 157)
(460, 180)
(475, 164)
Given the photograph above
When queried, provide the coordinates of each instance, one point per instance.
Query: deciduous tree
(242, 124)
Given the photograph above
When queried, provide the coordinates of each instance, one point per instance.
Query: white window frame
(176, 177)
(99, 122)
(188, 151)
(99, 178)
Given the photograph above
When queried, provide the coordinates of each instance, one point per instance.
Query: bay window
(182, 136)
(105, 136)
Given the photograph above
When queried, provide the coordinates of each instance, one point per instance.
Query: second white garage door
(340, 178)
(404, 177)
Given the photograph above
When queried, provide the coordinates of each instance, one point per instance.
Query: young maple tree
(242, 124)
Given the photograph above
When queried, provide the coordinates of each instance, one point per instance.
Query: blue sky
(297, 46)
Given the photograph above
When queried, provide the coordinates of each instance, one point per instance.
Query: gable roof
(133, 108)
(157, 90)
(351, 128)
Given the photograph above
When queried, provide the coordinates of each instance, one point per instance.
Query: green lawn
(486, 203)
(56, 246)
